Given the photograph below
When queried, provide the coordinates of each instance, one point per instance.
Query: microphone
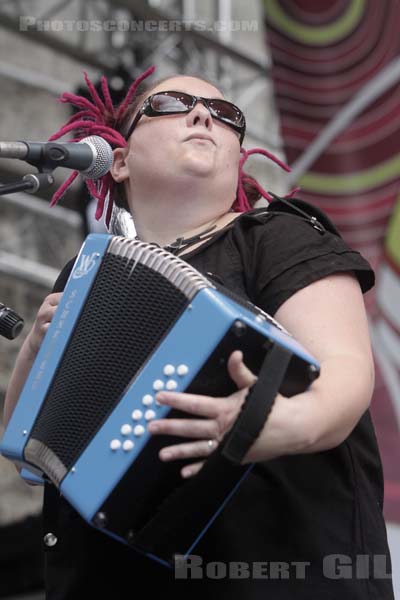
(11, 323)
(92, 156)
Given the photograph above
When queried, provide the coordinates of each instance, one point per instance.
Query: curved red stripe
(322, 13)
(328, 54)
(360, 48)
(319, 87)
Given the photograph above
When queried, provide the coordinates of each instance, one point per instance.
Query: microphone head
(102, 157)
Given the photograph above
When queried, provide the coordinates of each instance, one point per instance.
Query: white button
(169, 370)
(126, 429)
(115, 444)
(137, 415)
(182, 369)
(50, 540)
(149, 415)
(139, 430)
(158, 385)
(128, 445)
(147, 400)
(171, 384)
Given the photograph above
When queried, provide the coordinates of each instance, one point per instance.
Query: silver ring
(210, 443)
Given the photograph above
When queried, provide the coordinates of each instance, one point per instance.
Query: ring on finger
(211, 444)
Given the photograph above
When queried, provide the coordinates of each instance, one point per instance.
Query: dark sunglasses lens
(171, 102)
(226, 110)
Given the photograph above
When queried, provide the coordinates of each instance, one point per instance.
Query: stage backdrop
(336, 73)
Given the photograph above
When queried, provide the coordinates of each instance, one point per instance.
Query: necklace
(181, 243)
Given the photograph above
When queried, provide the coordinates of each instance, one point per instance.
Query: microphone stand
(31, 183)
(11, 323)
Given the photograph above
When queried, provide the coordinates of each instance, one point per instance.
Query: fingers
(198, 449)
(201, 406)
(46, 312)
(42, 322)
(191, 470)
(54, 299)
(218, 416)
(187, 428)
(48, 308)
(238, 371)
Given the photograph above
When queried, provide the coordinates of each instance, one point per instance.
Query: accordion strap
(258, 404)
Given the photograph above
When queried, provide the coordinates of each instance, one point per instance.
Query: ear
(119, 169)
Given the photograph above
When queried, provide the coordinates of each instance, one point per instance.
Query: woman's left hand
(217, 417)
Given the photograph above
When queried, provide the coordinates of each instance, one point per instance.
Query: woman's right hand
(42, 322)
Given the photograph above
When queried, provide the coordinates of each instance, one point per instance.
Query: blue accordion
(134, 319)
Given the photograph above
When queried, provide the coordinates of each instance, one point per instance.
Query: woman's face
(192, 144)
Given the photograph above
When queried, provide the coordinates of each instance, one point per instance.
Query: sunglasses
(173, 103)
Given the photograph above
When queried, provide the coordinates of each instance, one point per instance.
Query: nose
(199, 115)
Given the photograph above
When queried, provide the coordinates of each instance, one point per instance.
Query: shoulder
(289, 244)
(291, 212)
(290, 229)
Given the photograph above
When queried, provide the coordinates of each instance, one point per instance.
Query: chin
(199, 166)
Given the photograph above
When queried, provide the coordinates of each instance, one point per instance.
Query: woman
(312, 505)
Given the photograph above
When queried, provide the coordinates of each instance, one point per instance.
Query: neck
(177, 240)
(170, 217)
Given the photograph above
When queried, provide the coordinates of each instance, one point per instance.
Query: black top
(293, 515)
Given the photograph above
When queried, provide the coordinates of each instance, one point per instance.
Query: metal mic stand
(30, 183)
(11, 323)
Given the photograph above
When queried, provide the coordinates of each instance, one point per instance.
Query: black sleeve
(289, 254)
(63, 276)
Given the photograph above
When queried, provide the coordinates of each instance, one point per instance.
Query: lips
(200, 136)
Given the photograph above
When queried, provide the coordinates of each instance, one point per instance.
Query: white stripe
(393, 531)
(389, 372)
(373, 89)
(388, 294)
(390, 340)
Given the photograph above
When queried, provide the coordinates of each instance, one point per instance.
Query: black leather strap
(258, 404)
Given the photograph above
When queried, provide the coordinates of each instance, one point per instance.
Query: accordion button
(158, 385)
(182, 370)
(115, 444)
(126, 429)
(137, 415)
(128, 445)
(147, 400)
(139, 430)
(50, 540)
(171, 384)
(149, 415)
(169, 370)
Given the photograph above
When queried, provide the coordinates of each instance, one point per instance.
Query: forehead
(191, 85)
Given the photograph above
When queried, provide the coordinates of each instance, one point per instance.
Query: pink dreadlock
(101, 118)
(96, 118)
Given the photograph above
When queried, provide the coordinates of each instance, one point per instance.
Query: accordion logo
(87, 262)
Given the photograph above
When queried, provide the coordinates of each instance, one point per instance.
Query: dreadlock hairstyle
(100, 117)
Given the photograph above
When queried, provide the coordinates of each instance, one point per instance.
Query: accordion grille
(128, 312)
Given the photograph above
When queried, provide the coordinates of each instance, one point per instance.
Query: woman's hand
(217, 417)
(28, 353)
(42, 322)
